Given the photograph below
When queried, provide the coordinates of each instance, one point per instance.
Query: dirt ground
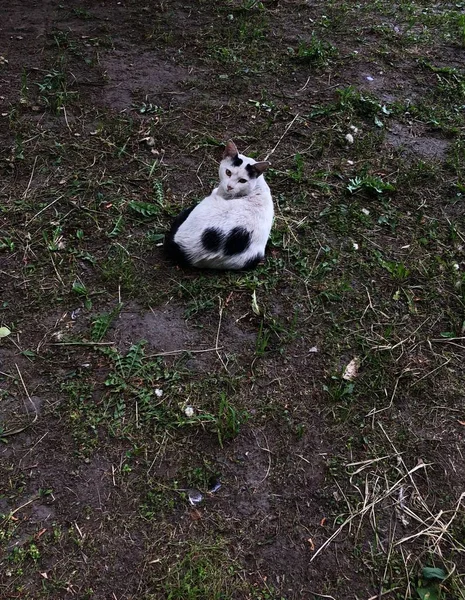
(128, 384)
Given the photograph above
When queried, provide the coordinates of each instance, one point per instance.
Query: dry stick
(22, 506)
(412, 481)
(43, 209)
(447, 525)
(431, 372)
(218, 334)
(81, 343)
(30, 179)
(366, 509)
(8, 433)
(281, 138)
(173, 352)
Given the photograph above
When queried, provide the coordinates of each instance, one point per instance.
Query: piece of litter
(365, 211)
(313, 349)
(350, 162)
(195, 497)
(75, 313)
(215, 485)
(189, 411)
(355, 245)
(4, 332)
(369, 78)
(351, 371)
(158, 392)
(354, 129)
(149, 141)
(350, 138)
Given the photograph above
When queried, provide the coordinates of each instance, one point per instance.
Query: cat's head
(238, 173)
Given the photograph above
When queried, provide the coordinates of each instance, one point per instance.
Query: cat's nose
(230, 188)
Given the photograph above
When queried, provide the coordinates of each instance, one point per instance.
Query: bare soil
(102, 499)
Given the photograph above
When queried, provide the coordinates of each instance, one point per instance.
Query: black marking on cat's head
(212, 239)
(257, 169)
(230, 150)
(237, 241)
(236, 161)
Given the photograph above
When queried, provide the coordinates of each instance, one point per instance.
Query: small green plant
(102, 322)
(53, 90)
(7, 244)
(80, 289)
(429, 583)
(145, 209)
(229, 420)
(315, 51)
(147, 108)
(398, 271)
(369, 183)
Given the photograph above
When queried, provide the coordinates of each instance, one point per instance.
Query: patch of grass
(316, 51)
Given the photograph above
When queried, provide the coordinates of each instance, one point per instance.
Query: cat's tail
(172, 249)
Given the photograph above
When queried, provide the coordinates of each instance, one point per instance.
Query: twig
(81, 344)
(366, 508)
(11, 432)
(281, 138)
(431, 372)
(30, 178)
(44, 209)
(173, 352)
(22, 506)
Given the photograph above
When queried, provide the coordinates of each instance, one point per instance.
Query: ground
(324, 390)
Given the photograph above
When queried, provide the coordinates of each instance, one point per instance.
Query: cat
(230, 228)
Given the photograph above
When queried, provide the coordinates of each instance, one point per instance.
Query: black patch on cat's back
(172, 249)
(212, 239)
(236, 161)
(237, 241)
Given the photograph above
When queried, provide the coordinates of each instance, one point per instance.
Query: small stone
(189, 411)
(350, 138)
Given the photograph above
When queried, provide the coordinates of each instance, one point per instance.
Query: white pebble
(158, 392)
(350, 138)
(189, 411)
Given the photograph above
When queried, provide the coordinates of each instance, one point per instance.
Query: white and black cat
(228, 229)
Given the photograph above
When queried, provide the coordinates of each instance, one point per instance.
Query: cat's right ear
(230, 150)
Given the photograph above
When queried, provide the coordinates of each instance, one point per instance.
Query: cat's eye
(242, 180)
(228, 172)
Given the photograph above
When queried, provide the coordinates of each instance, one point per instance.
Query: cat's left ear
(261, 167)
(230, 150)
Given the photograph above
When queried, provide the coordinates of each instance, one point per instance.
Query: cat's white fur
(232, 204)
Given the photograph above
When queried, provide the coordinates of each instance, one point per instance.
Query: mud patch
(132, 75)
(404, 138)
(166, 330)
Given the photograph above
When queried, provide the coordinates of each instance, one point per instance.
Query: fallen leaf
(312, 545)
(351, 371)
(4, 332)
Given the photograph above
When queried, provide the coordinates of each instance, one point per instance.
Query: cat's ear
(261, 167)
(258, 168)
(230, 150)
